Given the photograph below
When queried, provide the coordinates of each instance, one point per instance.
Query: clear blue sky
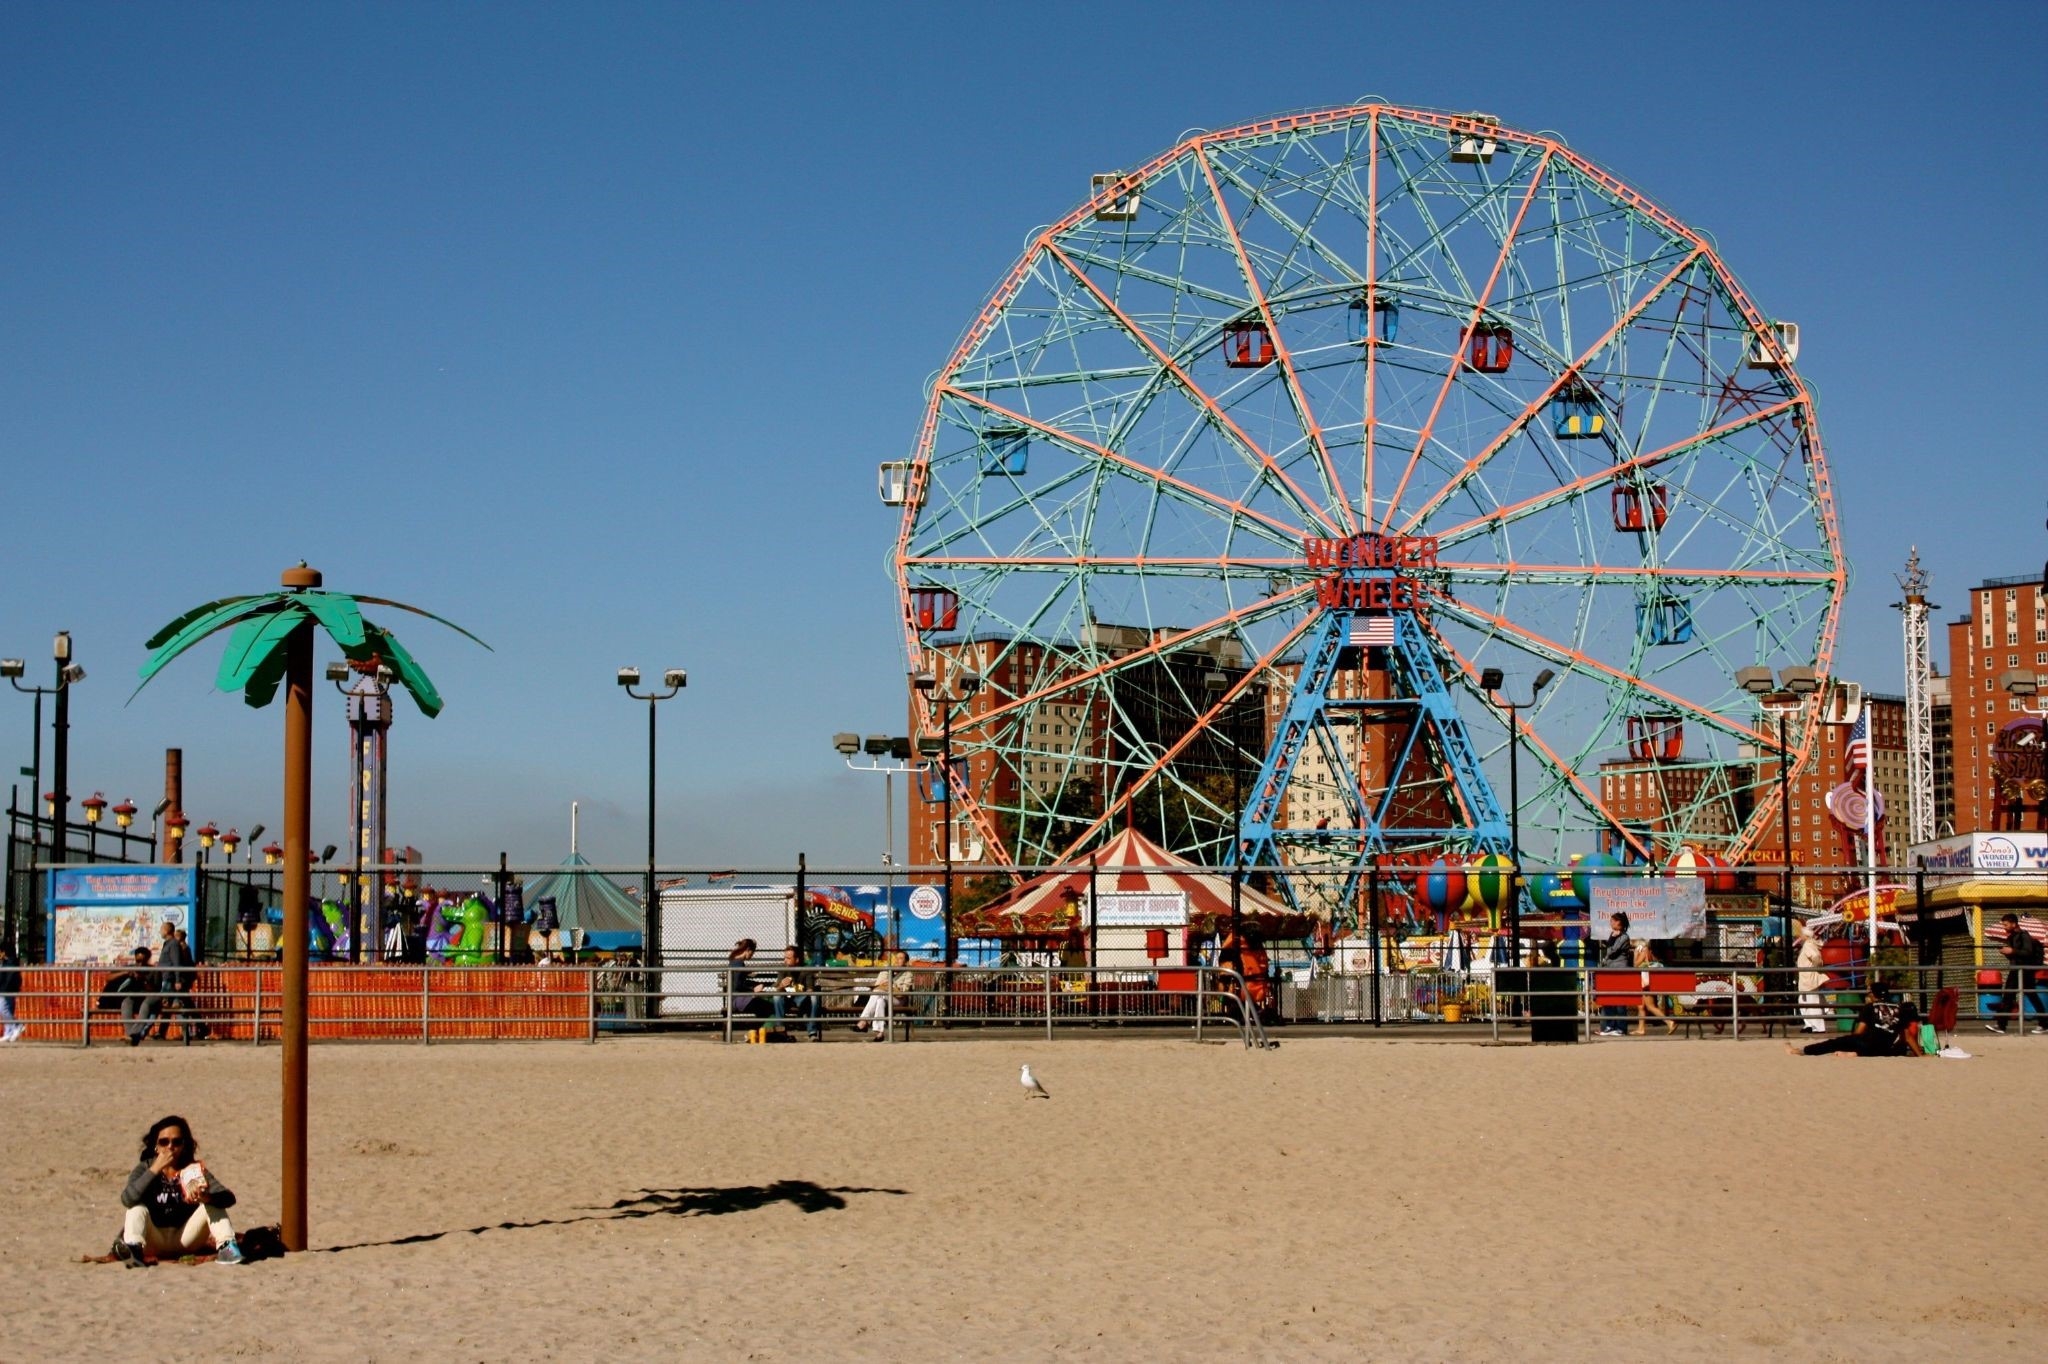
(587, 325)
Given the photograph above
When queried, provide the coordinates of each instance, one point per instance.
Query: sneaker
(1612, 1032)
(229, 1254)
(2038, 1029)
(1998, 1028)
(130, 1254)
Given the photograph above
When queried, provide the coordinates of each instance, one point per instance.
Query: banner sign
(2018, 850)
(99, 915)
(1657, 907)
(1141, 909)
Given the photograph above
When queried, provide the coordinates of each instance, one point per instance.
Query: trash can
(1552, 999)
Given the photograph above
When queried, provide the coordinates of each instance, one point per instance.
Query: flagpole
(1870, 827)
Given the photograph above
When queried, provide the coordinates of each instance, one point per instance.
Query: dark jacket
(1618, 951)
(165, 1200)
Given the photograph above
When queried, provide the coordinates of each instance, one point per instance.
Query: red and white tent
(1056, 902)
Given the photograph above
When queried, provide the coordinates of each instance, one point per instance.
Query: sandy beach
(1333, 1199)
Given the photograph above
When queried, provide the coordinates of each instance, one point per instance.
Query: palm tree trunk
(298, 818)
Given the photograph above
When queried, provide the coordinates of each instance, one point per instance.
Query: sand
(1333, 1199)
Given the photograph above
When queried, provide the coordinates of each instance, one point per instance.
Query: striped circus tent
(1050, 904)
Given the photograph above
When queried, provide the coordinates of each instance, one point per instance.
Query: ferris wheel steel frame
(1183, 481)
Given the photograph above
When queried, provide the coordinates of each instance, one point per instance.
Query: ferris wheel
(1270, 472)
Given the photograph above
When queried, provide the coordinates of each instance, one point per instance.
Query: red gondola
(1248, 345)
(934, 608)
(1656, 738)
(1641, 508)
(1490, 348)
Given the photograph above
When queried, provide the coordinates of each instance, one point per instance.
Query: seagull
(1032, 1089)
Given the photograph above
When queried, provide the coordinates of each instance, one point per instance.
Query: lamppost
(94, 806)
(124, 815)
(2021, 685)
(1788, 697)
(878, 747)
(207, 835)
(675, 679)
(948, 702)
(1217, 683)
(59, 799)
(1490, 680)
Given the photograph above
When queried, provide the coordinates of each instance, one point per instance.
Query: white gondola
(1475, 148)
(1775, 349)
(1121, 209)
(893, 482)
(1843, 704)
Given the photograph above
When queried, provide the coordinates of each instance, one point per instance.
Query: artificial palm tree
(272, 644)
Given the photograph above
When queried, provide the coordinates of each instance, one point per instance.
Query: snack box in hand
(192, 1180)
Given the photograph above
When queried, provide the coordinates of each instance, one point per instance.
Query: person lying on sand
(175, 1205)
(1885, 1026)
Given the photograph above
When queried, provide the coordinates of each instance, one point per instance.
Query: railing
(85, 1006)
(244, 1003)
(920, 1001)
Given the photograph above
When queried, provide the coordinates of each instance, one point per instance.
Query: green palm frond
(262, 685)
(255, 659)
(383, 645)
(252, 643)
(439, 620)
(196, 612)
(193, 626)
(338, 613)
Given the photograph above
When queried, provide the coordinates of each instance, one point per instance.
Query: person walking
(175, 973)
(1617, 954)
(10, 985)
(2022, 952)
(1813, 1013)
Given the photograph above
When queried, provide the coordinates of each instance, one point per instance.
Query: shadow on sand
(716, 1202)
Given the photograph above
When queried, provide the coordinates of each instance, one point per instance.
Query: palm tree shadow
(800, 1194)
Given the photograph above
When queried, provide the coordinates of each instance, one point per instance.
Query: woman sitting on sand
(174, 1203)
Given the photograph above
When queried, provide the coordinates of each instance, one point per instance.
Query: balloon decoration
(1586, 870)
(1487, 885)
(1554, 891)
(1442, 888)
(1710, 867)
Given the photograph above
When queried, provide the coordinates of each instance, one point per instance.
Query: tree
(273, 644)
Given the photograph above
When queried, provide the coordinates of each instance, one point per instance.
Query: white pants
(206, 1220)
(875, 1013)
(1813, 1013)
(9, 1029)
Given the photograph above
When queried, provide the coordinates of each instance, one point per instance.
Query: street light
(94, 806)
(1490, 680)
(2020, 685)
(948, 702)
(675, 679)
(1217, 683)
(1794, 685)
(59, 799)
(877, 747)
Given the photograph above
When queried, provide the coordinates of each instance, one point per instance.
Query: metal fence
(89, 1006)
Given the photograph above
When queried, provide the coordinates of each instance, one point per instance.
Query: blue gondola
(1386, 311)
(1003, 450)
(1577, 414)
(1666, 620)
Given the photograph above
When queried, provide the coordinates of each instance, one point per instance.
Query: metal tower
(1919, 708)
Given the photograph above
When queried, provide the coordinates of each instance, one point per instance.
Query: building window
(2012, 660)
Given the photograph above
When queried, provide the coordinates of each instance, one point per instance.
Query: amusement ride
(1265, 474)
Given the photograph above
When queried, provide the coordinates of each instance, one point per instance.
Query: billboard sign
(2013, 850)
(1657, 906)
(99, 915)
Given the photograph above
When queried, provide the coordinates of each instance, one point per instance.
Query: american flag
(1856, 753)
(1372, 632)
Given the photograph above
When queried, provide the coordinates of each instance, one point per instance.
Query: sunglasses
(170, 1141)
